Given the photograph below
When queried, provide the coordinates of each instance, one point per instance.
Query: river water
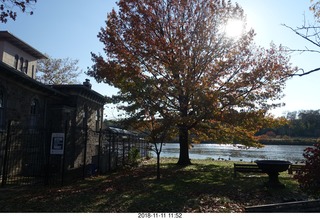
(292, 153)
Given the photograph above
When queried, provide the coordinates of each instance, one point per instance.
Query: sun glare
(234, 28)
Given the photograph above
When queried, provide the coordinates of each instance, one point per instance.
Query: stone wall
(83, 138)
(18, 101)
(74, 115)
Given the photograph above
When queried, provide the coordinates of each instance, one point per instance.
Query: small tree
(157, 131)
(7, 8)
(309, 177)
(160, 132)
(58, 71)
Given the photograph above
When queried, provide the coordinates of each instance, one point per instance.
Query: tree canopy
(173, 60)
(8, 8)
(58, 71)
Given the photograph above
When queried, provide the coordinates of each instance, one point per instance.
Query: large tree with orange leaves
(172, 59)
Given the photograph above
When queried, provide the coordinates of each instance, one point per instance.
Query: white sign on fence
(57, 143)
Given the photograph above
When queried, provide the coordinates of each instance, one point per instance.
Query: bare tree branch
(302, 50)
(306, 37)
(305, 73)
(312, 35)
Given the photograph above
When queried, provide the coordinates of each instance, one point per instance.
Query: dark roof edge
(80, 87)
(23, 45)
(15, 73)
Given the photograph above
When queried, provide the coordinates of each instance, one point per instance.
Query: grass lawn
(205, 186)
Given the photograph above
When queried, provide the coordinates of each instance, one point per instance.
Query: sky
(69, 28)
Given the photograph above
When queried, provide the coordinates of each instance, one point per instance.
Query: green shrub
(133, 156)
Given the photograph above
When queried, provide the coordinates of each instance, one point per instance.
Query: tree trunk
(158, 165)
(184, 146)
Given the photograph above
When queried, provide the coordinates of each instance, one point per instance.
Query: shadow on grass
(205, 186)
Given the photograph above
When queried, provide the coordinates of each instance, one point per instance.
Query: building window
(25, 68)
(2, 109)
(32, 71)
(16, 61)
(21, 64)
(34, 113)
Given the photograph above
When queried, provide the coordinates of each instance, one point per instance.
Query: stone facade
(19, 54)
(75, 110)
(84, 121)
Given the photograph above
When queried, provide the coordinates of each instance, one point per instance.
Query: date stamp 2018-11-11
(160, 215)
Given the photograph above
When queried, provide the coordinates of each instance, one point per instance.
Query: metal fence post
(5, 160)
(64, 152)
(85, 151)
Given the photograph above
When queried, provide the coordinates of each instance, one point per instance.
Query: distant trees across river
(303, 127)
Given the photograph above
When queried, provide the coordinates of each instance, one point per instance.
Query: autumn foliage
(8, 8)
(173, 58)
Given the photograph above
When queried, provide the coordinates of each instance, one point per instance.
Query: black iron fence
(22, 155)
(26, 158)
(121, 147)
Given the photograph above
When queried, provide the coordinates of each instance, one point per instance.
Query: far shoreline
(290, 141)
(273, 141)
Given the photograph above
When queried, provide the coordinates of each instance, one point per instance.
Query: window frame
(21, 64)
(25, 67)
(34, 113)
(16, 61)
